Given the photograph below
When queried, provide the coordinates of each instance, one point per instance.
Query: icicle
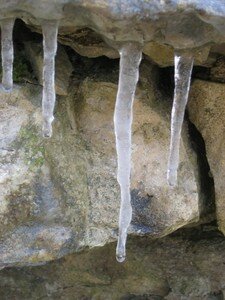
(50, 31)
(130, 58)
(182, 76)
(7, 53)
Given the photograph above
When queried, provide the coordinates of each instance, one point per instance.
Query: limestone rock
(206, 108)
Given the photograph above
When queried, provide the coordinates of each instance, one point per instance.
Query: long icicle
(130, 58)
(182, 76)
(7, 53)
(50, 32)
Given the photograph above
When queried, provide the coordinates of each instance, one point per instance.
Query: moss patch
(33, 148)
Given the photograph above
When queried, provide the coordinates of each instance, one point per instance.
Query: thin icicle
(50, 31)
(7, 53)
(182, 76)
(130, 58)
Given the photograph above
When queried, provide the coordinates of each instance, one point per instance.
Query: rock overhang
(181, 24)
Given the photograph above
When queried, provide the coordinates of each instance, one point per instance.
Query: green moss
(30, 142)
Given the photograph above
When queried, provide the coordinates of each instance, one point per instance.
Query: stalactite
(50, 31)
(182, 76)
(7, 53)
(130, 57)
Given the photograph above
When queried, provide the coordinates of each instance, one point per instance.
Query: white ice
(182, 76)
(7, 53)
(130, 58)
(50, 32)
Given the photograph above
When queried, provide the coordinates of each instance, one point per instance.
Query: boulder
(206, 110)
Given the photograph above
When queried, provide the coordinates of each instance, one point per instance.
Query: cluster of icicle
(50, 32)
(130, 58)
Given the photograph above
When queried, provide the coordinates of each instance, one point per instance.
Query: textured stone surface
(85, 41)
(187, 267)
(60, 195)
(206, 108)
(30, 232)
(163, 55)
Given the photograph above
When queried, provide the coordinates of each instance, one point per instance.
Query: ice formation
(7, 53)
(50, 32)
(182, 77)
(130, 58)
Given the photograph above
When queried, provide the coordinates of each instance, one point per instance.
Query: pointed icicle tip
(50, 32)
(182, 77)
(130, 58)
(120, 258)
(7, 53)
(172, 177)
(47, 129)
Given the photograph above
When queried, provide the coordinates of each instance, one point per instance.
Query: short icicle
(50, 32)
(182, 76)
(7, 53)
(130, 58)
